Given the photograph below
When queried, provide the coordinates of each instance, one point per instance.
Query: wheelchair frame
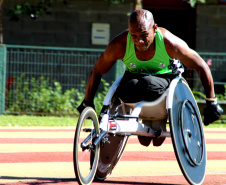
(185, 130)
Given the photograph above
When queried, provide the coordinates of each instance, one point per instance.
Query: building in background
(91, 24)
(70, 25)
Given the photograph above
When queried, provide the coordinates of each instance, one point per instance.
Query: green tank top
(157, 65)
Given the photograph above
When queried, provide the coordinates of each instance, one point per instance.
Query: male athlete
(148, 52)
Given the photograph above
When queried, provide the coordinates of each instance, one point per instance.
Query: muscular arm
(177, 48)
(114, 51)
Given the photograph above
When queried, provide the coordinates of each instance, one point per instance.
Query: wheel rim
(84, 168)
(191, 133)
(193, 167)
(84, 157)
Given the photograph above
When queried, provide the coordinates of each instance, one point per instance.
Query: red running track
(61, 156)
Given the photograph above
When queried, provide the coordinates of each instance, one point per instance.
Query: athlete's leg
(138, 87)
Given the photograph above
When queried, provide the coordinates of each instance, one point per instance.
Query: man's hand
(212, 112)
(85, 104)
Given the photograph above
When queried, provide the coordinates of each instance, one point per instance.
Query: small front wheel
(87, 131)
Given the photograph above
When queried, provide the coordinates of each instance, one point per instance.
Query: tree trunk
(137, 4)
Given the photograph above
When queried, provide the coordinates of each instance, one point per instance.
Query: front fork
(96, 138)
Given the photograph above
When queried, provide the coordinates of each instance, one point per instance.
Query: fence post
(2, 77)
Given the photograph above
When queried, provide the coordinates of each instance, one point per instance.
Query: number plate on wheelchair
(113, 125)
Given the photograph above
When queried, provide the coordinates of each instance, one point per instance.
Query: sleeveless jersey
(157, 65)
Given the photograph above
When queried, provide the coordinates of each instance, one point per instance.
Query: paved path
(44, 156)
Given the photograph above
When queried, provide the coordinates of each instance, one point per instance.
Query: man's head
(142, 29)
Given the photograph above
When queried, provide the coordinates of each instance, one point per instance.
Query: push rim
(188, 133)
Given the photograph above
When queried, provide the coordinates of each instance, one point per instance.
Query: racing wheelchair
(99, 142)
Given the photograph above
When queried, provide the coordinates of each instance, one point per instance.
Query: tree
(32, 10)
(194, 2)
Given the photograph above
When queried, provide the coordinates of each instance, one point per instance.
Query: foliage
(99, 98)
(33, 11)
(41, 8)
(115, 1)
(222, 96)
(199, 95)
(43, 96)
(39, 96)
(193, 2)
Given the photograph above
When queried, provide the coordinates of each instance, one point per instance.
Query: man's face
(142, 35)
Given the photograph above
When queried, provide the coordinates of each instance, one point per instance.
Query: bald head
(142, 17)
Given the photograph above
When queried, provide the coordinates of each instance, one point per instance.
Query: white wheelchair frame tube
(108, 97)
(169, 100)
(132, 126)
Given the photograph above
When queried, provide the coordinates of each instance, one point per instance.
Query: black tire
(84, 166)
(187, 134)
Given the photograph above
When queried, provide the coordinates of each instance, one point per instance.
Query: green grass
(221, 123)
(37, 121)
(215, 125)
(64, 121)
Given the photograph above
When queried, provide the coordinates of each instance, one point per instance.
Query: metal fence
(68, 66)
(71, 66)
(217, 65)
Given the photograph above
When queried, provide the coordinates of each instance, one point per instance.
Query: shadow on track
(47, 180)
(130, 183)
(40, 180)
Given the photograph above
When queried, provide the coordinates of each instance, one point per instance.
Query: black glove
(176, 66)
(85, 104)
(212, 112)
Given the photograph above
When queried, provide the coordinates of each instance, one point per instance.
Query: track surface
(44, 156)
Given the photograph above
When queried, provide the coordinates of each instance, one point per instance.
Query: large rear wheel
(187, 134)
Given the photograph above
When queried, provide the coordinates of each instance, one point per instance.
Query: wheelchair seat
(154, 110)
